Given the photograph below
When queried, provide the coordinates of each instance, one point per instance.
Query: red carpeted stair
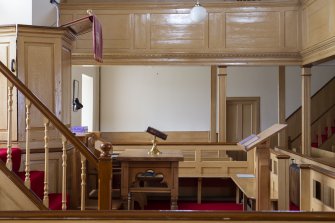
(36, 179)
(324, 136)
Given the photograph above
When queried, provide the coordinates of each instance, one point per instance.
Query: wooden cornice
(183, 4)
(319, 51)
(193, 58)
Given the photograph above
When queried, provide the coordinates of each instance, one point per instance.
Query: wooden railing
(166, 216)
(322, 102)
(317, 186)
(102, 163)
(203, 159)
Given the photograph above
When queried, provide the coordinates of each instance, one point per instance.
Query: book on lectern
(248, 140)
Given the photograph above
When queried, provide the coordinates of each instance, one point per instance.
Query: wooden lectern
(261, 144)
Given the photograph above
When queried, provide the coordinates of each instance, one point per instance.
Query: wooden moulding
(169, 216)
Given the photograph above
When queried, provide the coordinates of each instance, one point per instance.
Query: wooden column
(105, 177)
(212, 134)
(263, 177)
(306, 111)
(305, 187)
(222, 74)
(283, 182)
(282, 142)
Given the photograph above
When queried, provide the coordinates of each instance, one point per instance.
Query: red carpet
(16, 157)
(294, 207)
(187, 205)
(36, 179)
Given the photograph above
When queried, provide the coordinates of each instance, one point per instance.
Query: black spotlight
(77, 105)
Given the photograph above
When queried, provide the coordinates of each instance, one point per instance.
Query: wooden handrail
(317, 119)
(308, 157)
(318, 169)
(47, 113)
(311, 98)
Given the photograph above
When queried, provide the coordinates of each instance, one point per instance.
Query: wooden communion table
(144, 173)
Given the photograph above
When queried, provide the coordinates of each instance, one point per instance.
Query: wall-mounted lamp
(198, 13)
(76, 105)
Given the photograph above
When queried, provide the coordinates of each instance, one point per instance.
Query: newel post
(105, 177)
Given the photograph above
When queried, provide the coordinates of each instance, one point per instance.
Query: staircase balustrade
(104, 163)
(27, 163)
(64, 165)
(322, 115)
(9, 163)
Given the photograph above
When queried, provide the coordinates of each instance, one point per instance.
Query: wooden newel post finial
(106, 150)
(105, 177)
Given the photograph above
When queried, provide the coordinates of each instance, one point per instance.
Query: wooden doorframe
(255, 103)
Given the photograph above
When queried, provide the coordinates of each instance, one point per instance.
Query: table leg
(174, 203)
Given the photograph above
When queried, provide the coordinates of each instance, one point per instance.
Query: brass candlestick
(154, 151)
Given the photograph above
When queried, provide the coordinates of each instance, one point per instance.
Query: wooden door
(7, 53)
(243, 117)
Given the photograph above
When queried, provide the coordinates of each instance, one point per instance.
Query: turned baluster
(64, 164)
(9, 163)
(105, 177)
(27, 164)
(83, 182)
(46, 167)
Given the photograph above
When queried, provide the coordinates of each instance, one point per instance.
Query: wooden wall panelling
(228, 35)
(318, 30)
(141, 31)
(44, 65)
(176, 32)
(7, 53)
(216, 31)
(138, 137)
(292, 30)
(36, 70)
(253, 29)
(317, 15)
(55, 168)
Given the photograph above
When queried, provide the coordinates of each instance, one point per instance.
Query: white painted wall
(178, 98)
(77, 74)
(16, 12)
(87, 100)
(43, 13)
(165, 97)
(255, 82)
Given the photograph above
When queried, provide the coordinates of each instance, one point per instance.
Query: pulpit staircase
(35, 184)
(322, 118)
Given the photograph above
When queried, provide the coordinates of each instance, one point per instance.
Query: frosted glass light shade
(198, 13)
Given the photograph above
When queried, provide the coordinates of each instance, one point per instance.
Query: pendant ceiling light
(198, 13)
